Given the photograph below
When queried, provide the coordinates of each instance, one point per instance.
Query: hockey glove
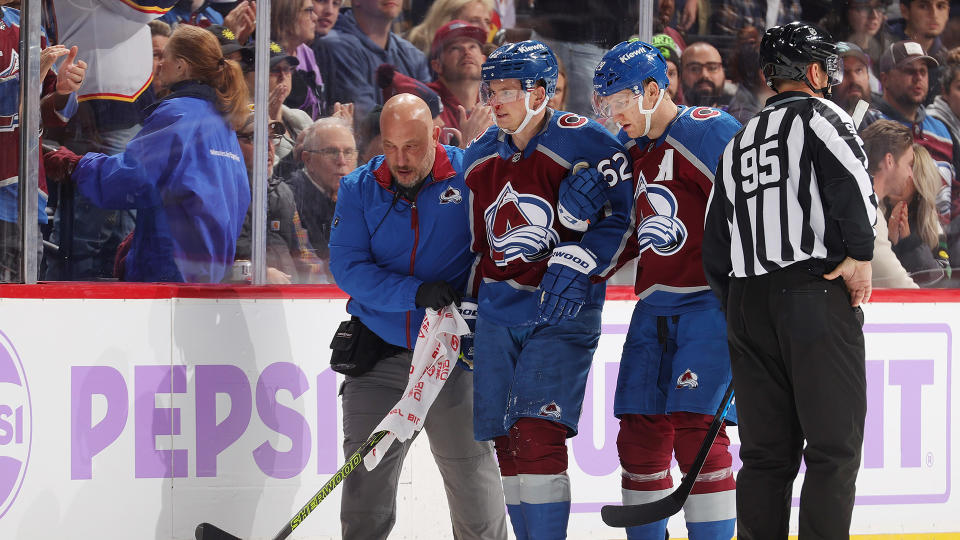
(468, 310)
(563, 290)
(436, 295)
(581, 198)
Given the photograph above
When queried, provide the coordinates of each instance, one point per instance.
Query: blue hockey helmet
(527, 61)
(628, 65)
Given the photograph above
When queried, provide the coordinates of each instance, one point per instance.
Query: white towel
(435, 355)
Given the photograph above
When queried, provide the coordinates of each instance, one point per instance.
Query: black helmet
(786, 51)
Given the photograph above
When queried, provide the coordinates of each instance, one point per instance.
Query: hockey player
(539, 277)
(675, 365)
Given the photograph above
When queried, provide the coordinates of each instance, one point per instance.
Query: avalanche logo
(688, 379)
(451, 195)
(519, 226)
(16, 426)
(551, 409)
(659, 227)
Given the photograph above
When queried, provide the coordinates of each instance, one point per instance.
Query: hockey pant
(645, 445)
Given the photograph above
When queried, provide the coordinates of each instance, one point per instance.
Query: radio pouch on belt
(356, 349)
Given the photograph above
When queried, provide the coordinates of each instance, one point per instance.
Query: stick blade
(640, 514)
(207, 531)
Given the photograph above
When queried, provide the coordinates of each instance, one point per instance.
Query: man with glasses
(539, 275)
(702, 76)
(328, 152)
(675, 365)
(290, 258)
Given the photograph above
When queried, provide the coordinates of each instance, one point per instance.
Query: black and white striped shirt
(792, 185)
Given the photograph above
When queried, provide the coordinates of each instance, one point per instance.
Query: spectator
(913, 225)
(290, 258)
(392, 83)
(58, 103)
(559, 100)
(280, 82)
(183, 172)
(328, 152)
(890, 158)
(671, 53)
(388, 292)
(473, 12)
(702, 77)
(241, 18)
(369, 140)
(752, 90)
(195, 12)
(946, 106)
(327, 13)
(862, 23)
(456, 59)
(728, 17)
(113, 38)
(159, 35)
(903, 75)
(923, 21)
(364, 42)
(293, 25)
(856, 78)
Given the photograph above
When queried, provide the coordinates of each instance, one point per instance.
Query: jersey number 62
(615, 169)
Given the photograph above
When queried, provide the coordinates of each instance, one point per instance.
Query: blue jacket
(383, 247)
(184, 173)
(355, 61)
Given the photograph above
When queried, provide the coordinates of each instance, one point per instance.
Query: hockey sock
(540, 450)
(710, 510)
(645, 445)
(511, 485)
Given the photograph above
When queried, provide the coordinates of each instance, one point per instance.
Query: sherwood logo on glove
(575, 257)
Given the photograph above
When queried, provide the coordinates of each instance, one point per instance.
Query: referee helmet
(787, 50)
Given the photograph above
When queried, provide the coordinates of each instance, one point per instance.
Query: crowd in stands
(333, 63)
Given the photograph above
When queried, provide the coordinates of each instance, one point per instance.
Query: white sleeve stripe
(694, 160)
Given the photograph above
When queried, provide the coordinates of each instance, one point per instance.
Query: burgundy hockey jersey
(513, 198)
(674, 176)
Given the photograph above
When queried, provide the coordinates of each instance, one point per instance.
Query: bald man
(399, 243)
(702, 76)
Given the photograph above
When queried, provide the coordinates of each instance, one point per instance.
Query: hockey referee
(787, 246)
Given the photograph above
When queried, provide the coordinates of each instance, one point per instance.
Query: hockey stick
(642, 514)
(206, 531)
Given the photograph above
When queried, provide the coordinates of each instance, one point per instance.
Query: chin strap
(648, 113)
(530, 113)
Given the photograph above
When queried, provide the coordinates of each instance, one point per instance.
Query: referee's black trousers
(797, 353)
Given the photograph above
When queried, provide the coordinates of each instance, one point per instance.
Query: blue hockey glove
(468, 310)
(563, 290)
(582, 196)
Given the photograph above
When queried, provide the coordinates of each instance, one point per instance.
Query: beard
(702, 93)
(847, 100)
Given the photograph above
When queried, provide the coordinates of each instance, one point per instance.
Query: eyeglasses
(284, 68)
(697, 67)
(332, 152)
(308, 9)
(610, 106)
(276, 133)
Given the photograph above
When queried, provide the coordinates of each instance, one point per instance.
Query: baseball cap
(392, 82)
(902, 52)
(668, 48)
(453, 30)
(226, 37)
(277, 55)
(846, 49)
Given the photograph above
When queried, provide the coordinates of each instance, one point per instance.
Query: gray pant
(469, 469)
